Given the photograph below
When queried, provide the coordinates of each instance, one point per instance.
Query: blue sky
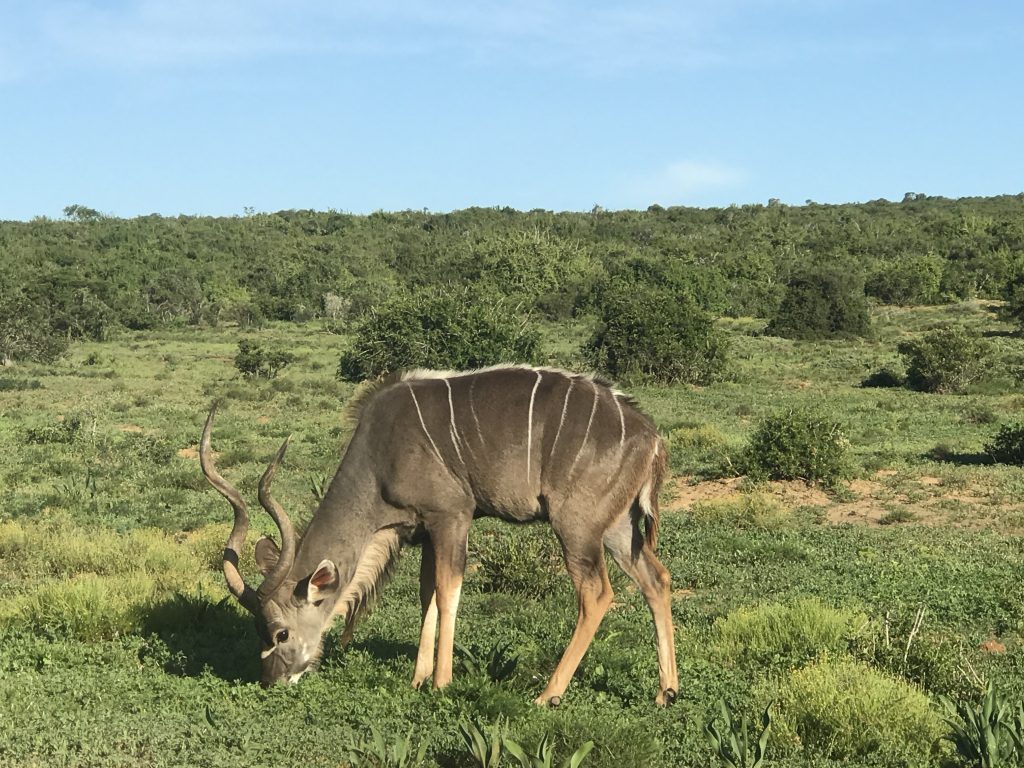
(212, 106)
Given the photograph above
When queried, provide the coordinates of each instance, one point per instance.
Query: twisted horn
(236, 584)
(284, 524)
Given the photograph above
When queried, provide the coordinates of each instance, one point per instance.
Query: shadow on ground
(947, 456)
(195, 636)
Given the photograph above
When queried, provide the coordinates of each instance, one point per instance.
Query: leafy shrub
(945, 360)
(455, 327)
(845, 710)
(1007, 447)
(255, 361)
(798, 445)
(909, 280)
(649, 333)
(27, 331)
(821, 304)
(793, 633)
(535, 267)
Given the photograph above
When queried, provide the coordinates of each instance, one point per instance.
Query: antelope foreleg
(449, 551)
(428, 608)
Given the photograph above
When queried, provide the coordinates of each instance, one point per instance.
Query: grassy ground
(117, 647)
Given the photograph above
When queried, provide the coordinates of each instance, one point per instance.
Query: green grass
(118, 648)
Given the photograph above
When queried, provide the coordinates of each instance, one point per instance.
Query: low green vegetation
(118, 647)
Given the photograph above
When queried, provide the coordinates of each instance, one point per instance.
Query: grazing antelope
(432, 450)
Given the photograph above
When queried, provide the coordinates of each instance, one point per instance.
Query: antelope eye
(282, 636)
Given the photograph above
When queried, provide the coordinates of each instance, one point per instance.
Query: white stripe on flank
(561, 421)
(622, 419)
(529, 426)
(453, 431)
(593, 409)
(472, 410)
(423, 423)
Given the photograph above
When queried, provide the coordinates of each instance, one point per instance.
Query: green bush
(792, 634)
(846, 710)
(910, 280)
(650, 333)
(821, 304)
(255, 361)
(27, 332)
(1007, 447)
(947, 360)
(453, 327)
(798, 445)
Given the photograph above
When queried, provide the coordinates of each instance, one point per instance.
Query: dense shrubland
(807, 267)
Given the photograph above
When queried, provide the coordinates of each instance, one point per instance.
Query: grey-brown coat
(432, 450)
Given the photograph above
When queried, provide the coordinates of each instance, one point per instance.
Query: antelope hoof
(417, 683)
(666, 698)
(552, 702)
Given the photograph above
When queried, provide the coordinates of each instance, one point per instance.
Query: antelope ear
(267, 555)
(324, 581)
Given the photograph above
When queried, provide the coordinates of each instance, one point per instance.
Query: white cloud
(686, 182)
(592, 36)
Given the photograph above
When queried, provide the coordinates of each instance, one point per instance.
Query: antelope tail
(648, 496)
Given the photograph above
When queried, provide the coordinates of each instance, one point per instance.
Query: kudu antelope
(432, 450)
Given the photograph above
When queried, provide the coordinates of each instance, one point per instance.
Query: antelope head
(292, 610)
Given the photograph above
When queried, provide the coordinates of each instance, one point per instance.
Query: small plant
(987, 735)
(1007, 447)
(496, 664)
(254, 361)
(897, 515)
(732, 745)
(543, 756)
(318, 486)
(947, 360)
(484, 743)
(377, 752)
(798, 445)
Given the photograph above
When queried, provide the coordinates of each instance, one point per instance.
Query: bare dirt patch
(889, 497)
